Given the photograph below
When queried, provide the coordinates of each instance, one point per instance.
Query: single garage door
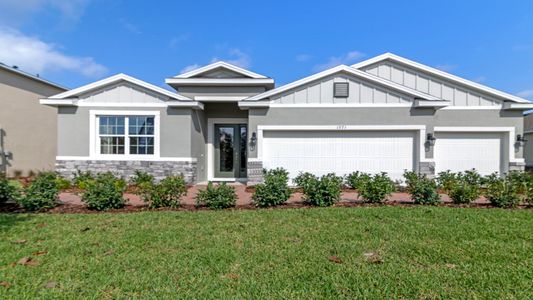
(458, 152)
(342, 152)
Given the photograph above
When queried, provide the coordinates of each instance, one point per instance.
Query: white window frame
(94, 143)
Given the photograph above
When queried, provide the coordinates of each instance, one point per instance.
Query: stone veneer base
(254, 170)
(126, 169)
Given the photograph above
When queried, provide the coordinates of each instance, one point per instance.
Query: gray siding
(220, 91)
(421, 81)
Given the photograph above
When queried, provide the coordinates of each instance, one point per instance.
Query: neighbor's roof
(31, 76)
(439, 73)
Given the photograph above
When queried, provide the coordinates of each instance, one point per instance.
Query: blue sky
(74, 42)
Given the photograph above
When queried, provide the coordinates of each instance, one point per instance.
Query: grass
(419, 252)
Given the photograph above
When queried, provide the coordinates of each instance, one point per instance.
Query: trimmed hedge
(275, 189)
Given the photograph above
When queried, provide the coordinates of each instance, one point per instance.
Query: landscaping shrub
(82, 179)
(522, 181)
(104, 192)
(275, 189)
(166, 193)
(356, 179)
(142, 178)
(377, 188)
(217, 196)
(323, 191)
(501, 191)
(41, 193)
(465, 189)
(8, 191)
(62, 183)
(446, 180)
(423, 190)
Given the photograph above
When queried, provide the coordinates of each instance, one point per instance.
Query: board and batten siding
(321, 92)
(426, 83)
(122, 92)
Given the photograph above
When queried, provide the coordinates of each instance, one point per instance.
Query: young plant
(377, 188)
(104, 192)
(423, 190)
(356, 179)
(217, 196)
(275, 189)
(82, 179)
(142, 178)
(501, 191)
(166, 193)
(8, 191)
(41, 193)
(323, 191)
(446, 180)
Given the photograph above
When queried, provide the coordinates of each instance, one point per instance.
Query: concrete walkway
(244, 197)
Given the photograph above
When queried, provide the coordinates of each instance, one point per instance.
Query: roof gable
(432, 72)
(343, 69)
(113, 80)
(220, 69)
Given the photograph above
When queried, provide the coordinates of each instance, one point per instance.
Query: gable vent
(340, 90)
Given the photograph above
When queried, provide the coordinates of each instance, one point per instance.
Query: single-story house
(225, 123)
(28, 130)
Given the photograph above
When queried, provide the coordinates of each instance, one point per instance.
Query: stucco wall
(385, 116)
(73, 130)
(28, 129)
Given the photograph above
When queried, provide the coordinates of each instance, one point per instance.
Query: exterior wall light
(520, 140)
(253, 141)
(430, 139)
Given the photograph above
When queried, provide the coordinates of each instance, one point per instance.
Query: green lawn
(419, 252)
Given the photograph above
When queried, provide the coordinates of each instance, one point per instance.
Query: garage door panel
(341, 152)
(459, 152)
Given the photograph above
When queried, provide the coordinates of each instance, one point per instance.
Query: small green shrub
(466, 187)
(275, 189)
(521, 180)
(41, 193)
(356, 179)
(501, 191)
(8, 191)
(446, 180)
(166, 193)
(217, 196)
(104, 192)
(422, 189)
(323, 191)
(82, 179)
(377, 188)
(142, 178)
(63, 183)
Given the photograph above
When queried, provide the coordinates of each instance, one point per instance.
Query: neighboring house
(224, 123)
(28, 130)
(528, 135)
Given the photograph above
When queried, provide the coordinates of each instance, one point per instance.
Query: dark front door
(230, 150)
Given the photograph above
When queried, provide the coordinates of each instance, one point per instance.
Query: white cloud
(303, 57)
(129, 26)
(236, 57)
(525, 94)
(14, 12)
(334, 61)
(189, 68)
(38, 57)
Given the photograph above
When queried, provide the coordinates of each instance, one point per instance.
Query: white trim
(122, 158)
(58, 102)
(421, 133)
(461, 107)
(517, 106)
(433, 104)
(219, 98)
(220, 81)
(220, 64)
(350, 71)
(439, 73)
(229, 179)
(510, 131)
(113, 79)
(210, 141)
(94, 141)
(341, 105)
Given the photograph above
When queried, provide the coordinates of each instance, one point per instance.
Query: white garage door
(342, 152)
(458, 152)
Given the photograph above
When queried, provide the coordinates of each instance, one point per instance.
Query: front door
(230, 150)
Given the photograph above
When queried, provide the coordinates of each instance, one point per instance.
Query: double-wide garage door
(341, 152)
